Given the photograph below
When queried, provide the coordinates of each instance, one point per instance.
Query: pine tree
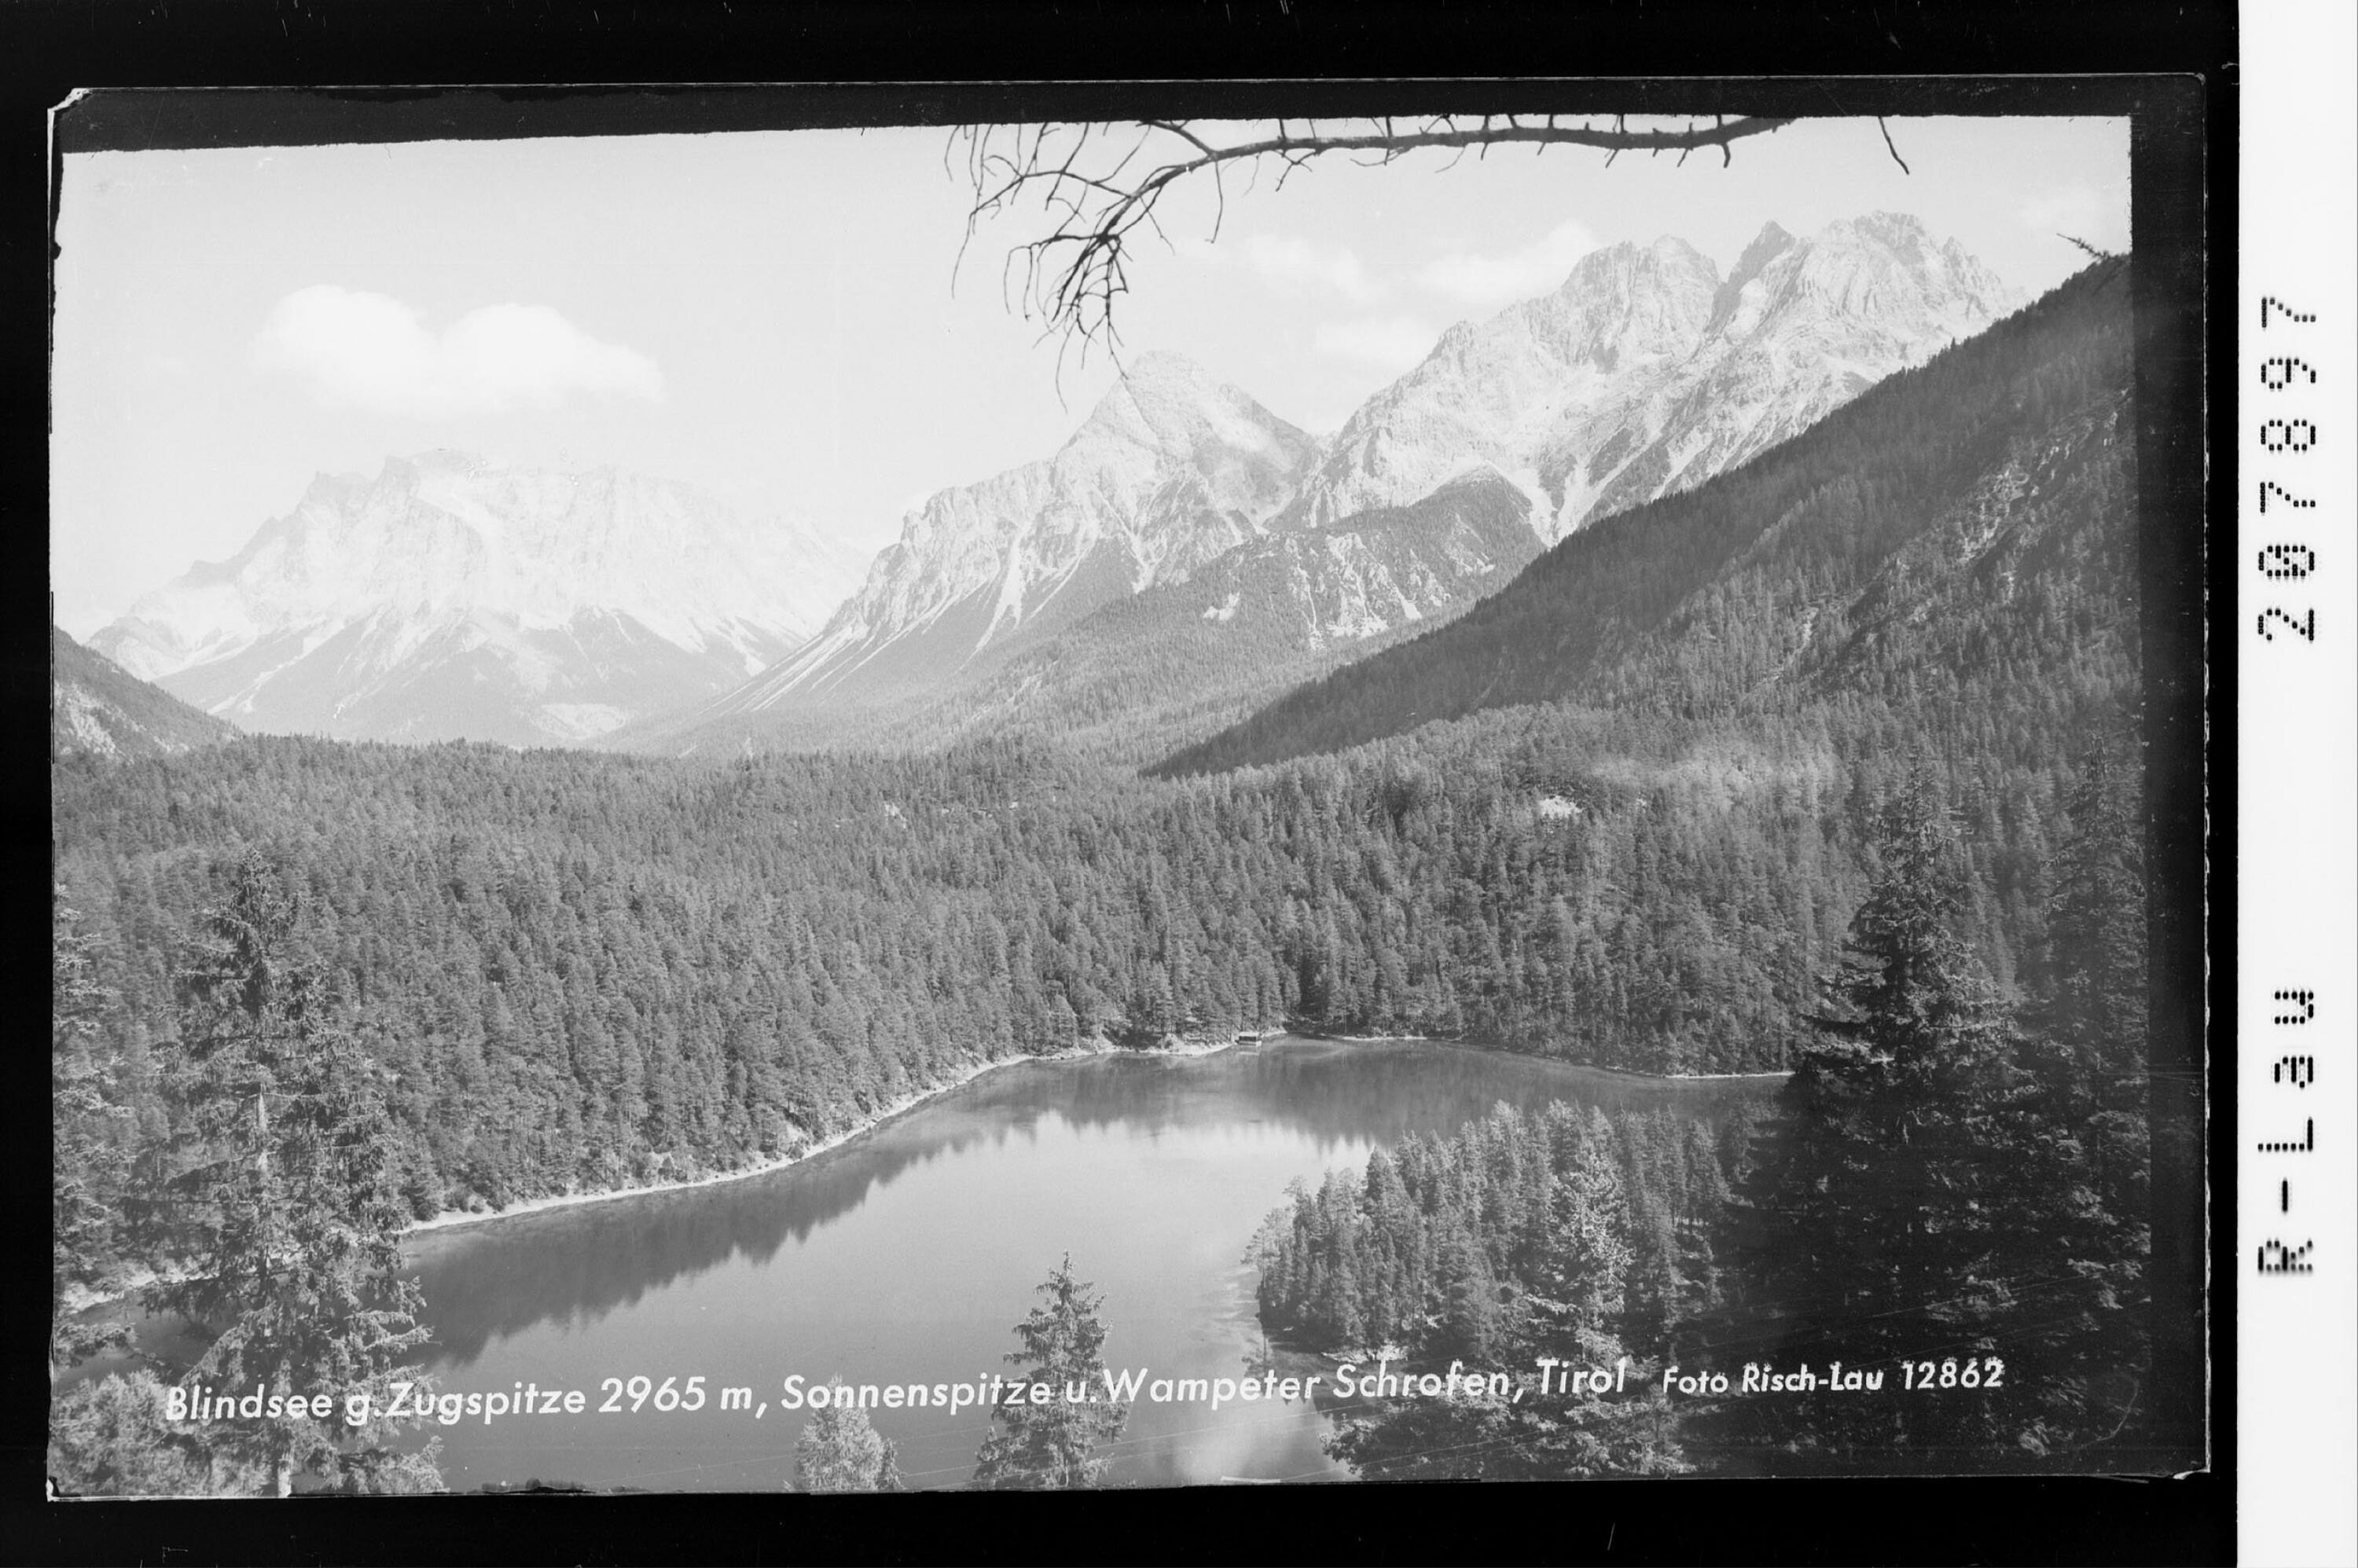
(110, 1437)
(2081, 1124)
(1052, 1445)
(1896, 1158)
(88, 1121)
(2091, 989)
(839, 1451)
(287, 1212)
(1470, 1316)
(1583, 1274)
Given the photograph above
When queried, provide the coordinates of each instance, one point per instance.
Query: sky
(782, 319)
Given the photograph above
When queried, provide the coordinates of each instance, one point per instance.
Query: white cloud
(375, 351)
(1516, 275)
(1387, 343)
(2101, 218)
(1293, 263)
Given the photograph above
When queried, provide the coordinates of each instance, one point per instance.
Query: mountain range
(1177, 660)
(1929, 544)
(1646, 371)
(452, 597)
(1183, 557)
(1644, 374)
(1170, 470)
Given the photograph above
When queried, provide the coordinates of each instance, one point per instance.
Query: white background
(2299, 702)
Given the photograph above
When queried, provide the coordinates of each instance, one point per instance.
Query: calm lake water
(907, 1256)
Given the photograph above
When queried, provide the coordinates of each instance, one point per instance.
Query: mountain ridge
(97, 706)
(1169, 469)
(1868, 480)
(1184, 657)
(450, 595)
(1646, 370)
(1615, 374)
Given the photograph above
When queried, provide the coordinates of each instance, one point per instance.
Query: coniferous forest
(1830, 766)
(1947, 1188)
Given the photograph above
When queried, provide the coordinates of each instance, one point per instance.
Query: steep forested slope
(96, 704)
(1693, 601)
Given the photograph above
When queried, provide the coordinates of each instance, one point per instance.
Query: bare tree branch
(1072, 275)
(1892, 150)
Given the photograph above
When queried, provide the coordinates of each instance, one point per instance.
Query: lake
(908, 1254)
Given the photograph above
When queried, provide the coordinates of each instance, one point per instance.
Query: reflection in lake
(907, 1255)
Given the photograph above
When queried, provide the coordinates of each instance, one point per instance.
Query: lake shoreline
(78, 1301)
(1299, 1034)
(453, 1219)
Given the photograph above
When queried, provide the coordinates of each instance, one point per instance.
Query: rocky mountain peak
(1668, 256)
(454, 595)
(1170, 469)
(1646, 371)
(1884, 275)
(1625, 275)
(1170, 405)
(1167, 371)
(1732, 297)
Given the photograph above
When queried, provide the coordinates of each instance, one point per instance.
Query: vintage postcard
(932, 792)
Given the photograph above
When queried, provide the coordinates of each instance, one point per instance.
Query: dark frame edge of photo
(2183, 176)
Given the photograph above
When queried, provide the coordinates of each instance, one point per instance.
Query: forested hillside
(1577, 1238)
(1950, 1196)
(591, 971)
(96, 704)
(587, 972)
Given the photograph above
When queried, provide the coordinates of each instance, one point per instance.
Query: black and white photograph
(945, 799)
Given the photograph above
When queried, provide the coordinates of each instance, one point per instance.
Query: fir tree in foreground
(1894, 1142)
(1956, 1187)
(281, 1224)
(89, 1128)
(840, 1451)
(1896, 1247)
(1052, 1445)
(2082, 1130)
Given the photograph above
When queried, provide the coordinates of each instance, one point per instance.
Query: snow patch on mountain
(1169, 471)
(1646, 371)
(454, 596)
